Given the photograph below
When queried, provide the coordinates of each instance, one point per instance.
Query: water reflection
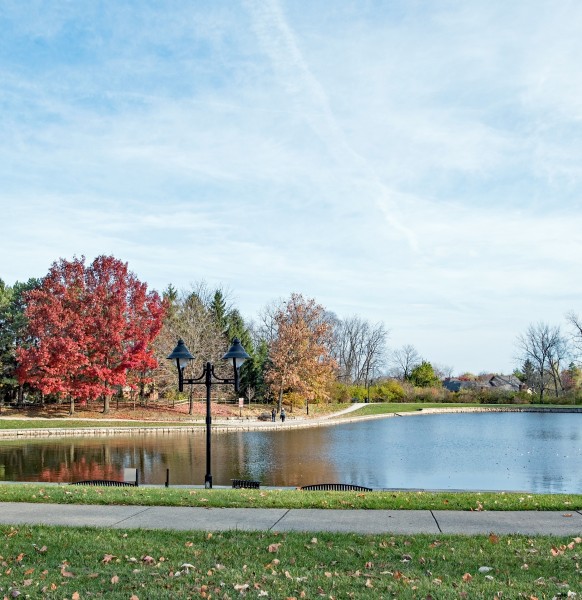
(503, 451)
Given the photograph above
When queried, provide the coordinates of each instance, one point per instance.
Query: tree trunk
(280, 398)
(71, 405)
(106, 399)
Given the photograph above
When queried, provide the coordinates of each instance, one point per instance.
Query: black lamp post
(182, 356)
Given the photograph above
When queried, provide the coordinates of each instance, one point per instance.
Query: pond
(536, 452)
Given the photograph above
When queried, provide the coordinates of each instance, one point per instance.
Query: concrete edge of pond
(242, 425)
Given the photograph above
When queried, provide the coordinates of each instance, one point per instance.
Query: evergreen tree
(219, 311)
(12, 334)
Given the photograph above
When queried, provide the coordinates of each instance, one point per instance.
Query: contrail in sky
(280, 45)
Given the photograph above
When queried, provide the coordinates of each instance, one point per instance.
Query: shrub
(387, 391)
(430, 394)
(339, 392)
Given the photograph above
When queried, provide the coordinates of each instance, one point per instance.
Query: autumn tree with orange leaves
(300, 361)
(88, 328)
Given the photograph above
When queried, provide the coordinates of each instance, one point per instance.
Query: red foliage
(90, 327)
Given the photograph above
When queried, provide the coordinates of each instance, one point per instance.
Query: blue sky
(416, 163)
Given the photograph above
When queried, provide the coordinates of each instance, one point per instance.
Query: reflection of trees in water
(275, 459)
(75, 459)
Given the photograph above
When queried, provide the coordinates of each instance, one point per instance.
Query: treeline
(86, 333)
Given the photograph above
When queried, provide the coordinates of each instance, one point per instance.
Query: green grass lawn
(63, 422)
(78, 563)
(382, 408)
(277, 498)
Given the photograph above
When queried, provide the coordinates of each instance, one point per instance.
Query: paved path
(269, 519)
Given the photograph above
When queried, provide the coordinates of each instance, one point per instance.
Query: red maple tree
(89, 326)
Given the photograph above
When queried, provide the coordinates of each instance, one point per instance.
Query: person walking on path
(273, 415)
(283, 415)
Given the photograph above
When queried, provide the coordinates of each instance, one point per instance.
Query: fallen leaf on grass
(467, 577)
(64, 571)
(115, 579)
(274, 547)
(108, 558)
(76, 596)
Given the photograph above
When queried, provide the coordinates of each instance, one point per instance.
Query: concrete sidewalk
(311, 520)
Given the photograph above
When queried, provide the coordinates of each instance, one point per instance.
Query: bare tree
(546, 348)
(443, 371)
(266, 327)
(403, 360)
(576, 336)
(359, 348)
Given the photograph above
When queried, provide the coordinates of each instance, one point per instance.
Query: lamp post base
(208, 482)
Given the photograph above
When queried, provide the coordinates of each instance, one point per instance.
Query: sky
(413, 163)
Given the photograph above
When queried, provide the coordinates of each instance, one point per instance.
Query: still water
(537, 452)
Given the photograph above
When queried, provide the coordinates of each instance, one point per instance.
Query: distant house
(456, 385)
(498, 382)
(506, 382)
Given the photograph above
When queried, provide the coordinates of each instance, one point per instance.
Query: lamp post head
(237, 353)
(181, 355)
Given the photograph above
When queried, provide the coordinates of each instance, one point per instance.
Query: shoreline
(242, 425)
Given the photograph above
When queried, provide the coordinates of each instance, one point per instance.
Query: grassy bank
(397, 407)
(34, 419)
(56, 562)
(267, 498)
(383, 408)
